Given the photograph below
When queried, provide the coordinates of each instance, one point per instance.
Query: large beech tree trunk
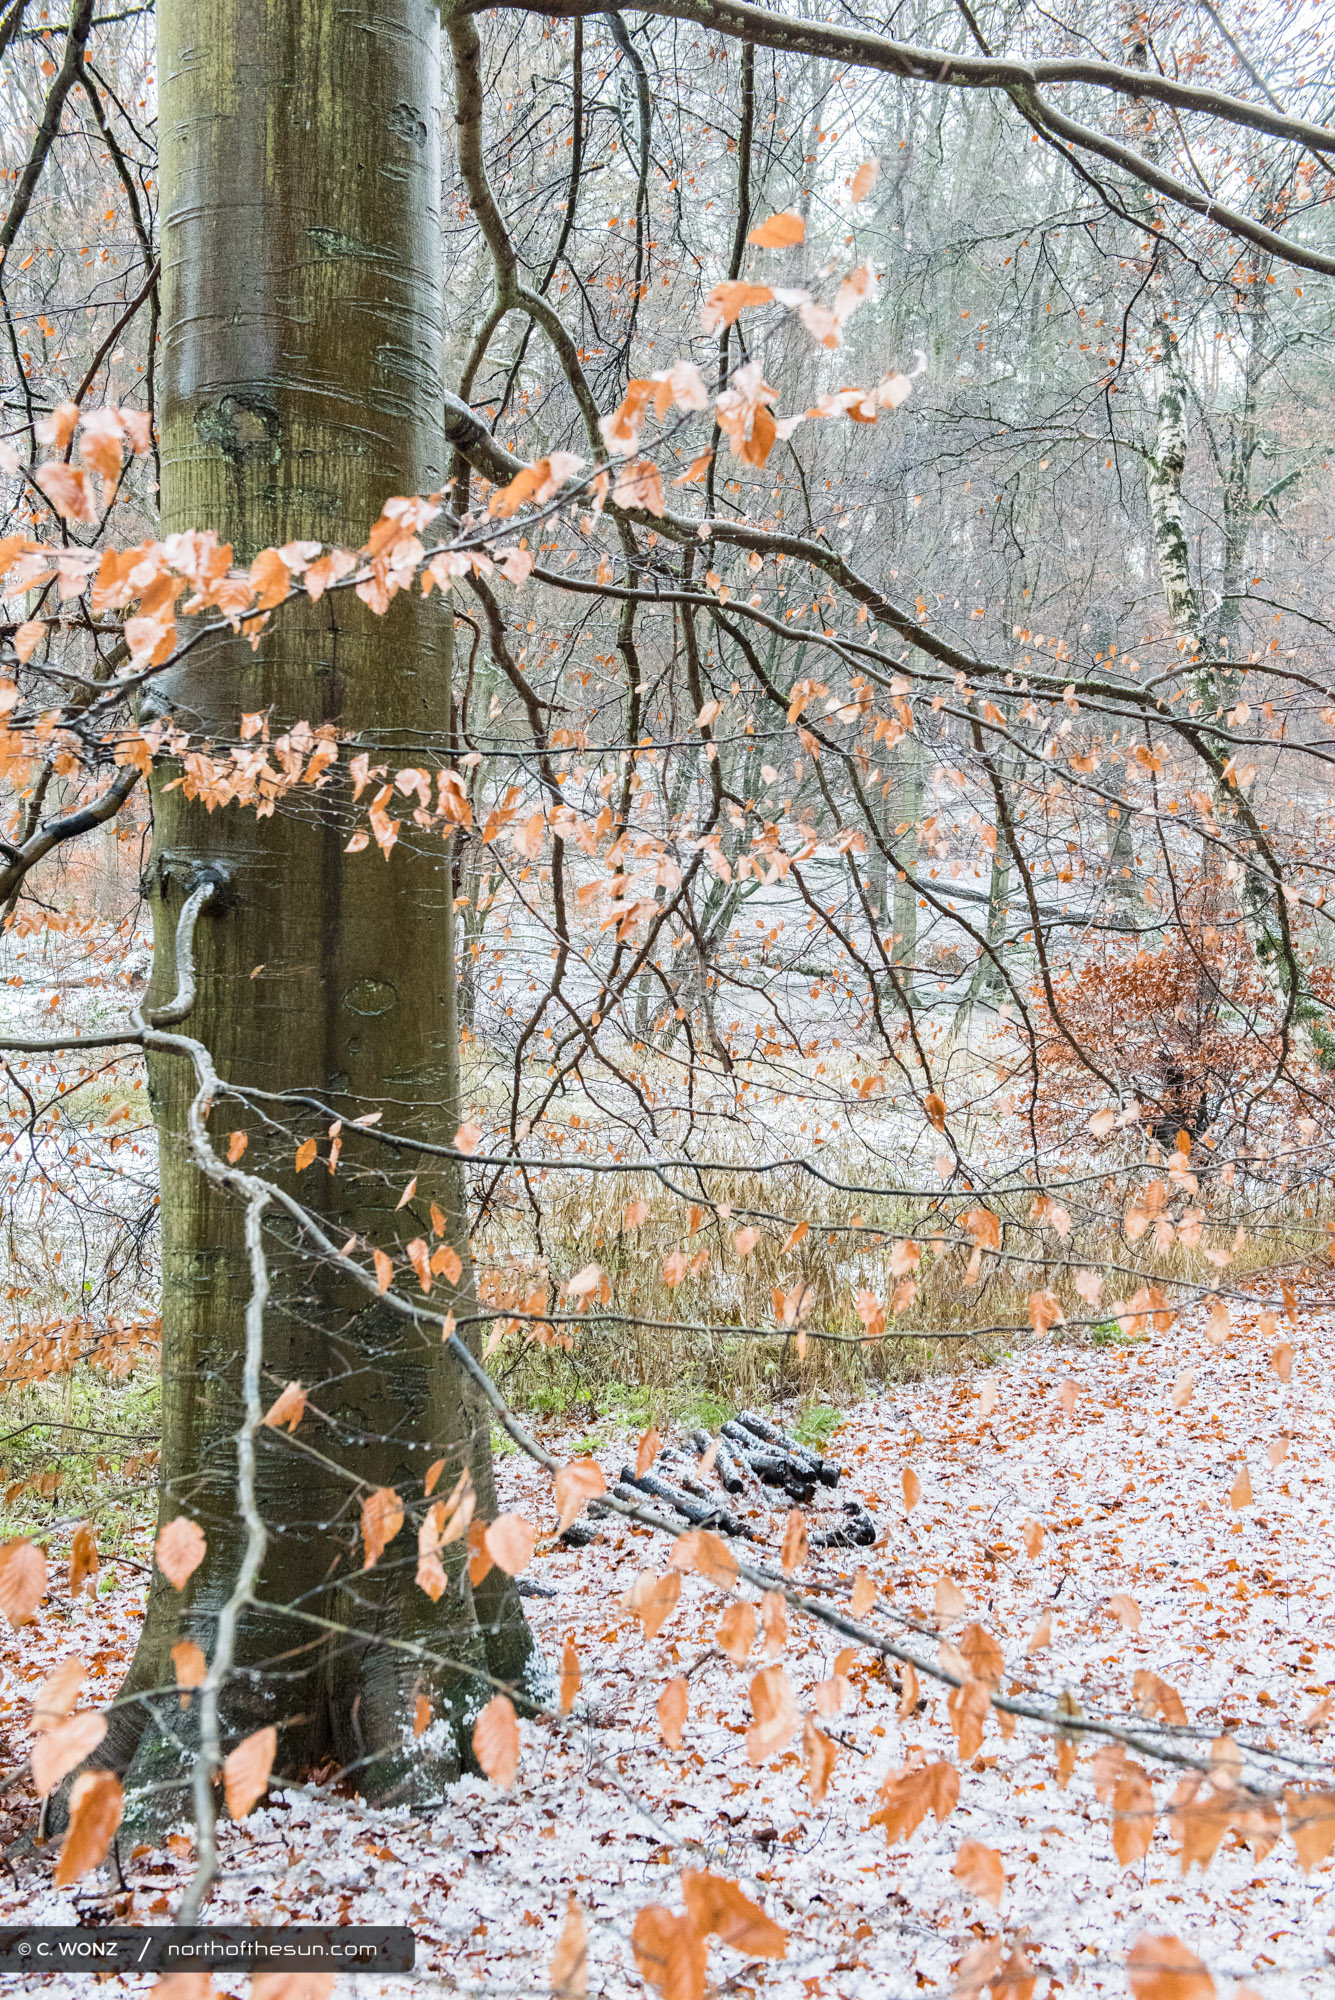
(301, 386)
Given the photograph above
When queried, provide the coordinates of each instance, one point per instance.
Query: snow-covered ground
(1135, 1496)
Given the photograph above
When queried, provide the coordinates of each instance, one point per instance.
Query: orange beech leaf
(977, 1968)
(864, 180)
(69, 491)
(1218, 1325)
(982, 1228)
(775, 1712)
(458, 1508)
(910, 1693)
(1310, 1819)
(774, 1622)
(870, 1311)
(736, 1634)
(636, 1212)
(22, 1579)
(1154, 1697)
(1162, 1968)
(432, 1480)
(180, 1549)
(496, 1742)
(821, 1754)
(83, 1559)
(830, 1695)
(55, 1697)
(982, 1654)
(1133, 1815)
(446, 1263)
(189, 1665)
(57, 429)
(778, 232)
(468, 1138)
(745, 1241)
(1199, 1819)
(1041, 1637)
(1089, 1285)
(669, 1953)
(719, 1909)
(382, 1517)
(864, 1594)
(431, 1575)
(479, 1560)
(912, 1486)
(911, 1794)
(418, 1254)
(647, 1451)
(707, 1554)
(246, 1770)
(1045, 1310)
(968, 1707)
(1125, 1610)
(950, 1602)
(236, 1146)
(585, 1283)
(58, 1750)
(796, 1235)
(979, 1869)
(569, 1974)
(696, 470)
(1240, 1493)
(510, 1543)
(100, 443)
(27, 639)
(571, 1677)
(652, 1599)
(732, 297)
(384, 1269)
(640, 484)
(1017, 1979)
(305, 1154)
(1033, 1537)
(96, 1805)
(952, 1659)
(270, 578)
(1182, 1389)
(287, 1409)
(1281, 1360)
(421, 1715)
(576, 1484)
(671, 1711)
(508, 499)
(935, 1107)
(794, 1541)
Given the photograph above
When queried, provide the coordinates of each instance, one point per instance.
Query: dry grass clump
(747, 1287)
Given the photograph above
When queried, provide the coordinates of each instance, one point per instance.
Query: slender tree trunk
(907, 811)
(302, 328)
(988, 981)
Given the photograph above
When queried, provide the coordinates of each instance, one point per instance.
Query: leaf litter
(1113, 1525)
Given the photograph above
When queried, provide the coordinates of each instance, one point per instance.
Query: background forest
(665, 728)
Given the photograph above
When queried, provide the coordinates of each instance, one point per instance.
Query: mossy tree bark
(301, 386)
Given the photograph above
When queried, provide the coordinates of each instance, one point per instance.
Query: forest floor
(1236, 1602)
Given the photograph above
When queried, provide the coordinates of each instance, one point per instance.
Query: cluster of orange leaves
(55, 1347)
